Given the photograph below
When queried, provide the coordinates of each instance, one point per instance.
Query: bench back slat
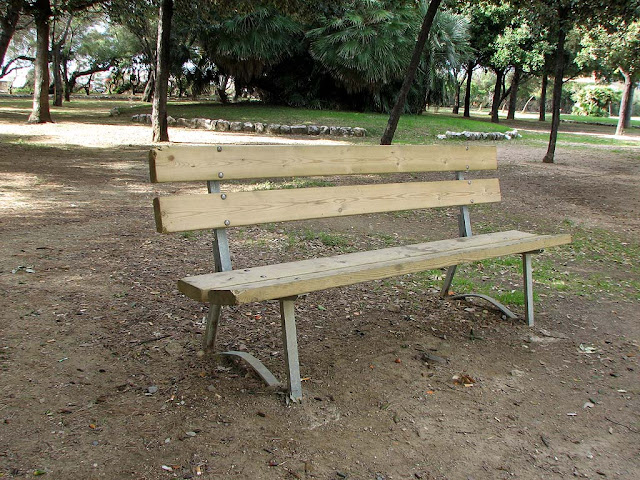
(194, 212)
(177, 163)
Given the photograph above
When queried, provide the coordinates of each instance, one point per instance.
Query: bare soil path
(102, 374)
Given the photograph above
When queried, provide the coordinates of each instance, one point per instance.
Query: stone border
(481, 135)
(257, 127)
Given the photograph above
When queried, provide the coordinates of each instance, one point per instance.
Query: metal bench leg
(290, 342)
(213, 319)
(528, 288)
(464, 229)
(446, 286)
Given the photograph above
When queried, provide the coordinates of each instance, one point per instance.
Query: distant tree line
(352, 54)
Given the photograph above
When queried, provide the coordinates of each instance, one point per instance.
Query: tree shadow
(40, 184)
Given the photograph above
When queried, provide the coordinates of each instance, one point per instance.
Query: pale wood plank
(294, 278)
(337, 262)
(213, 281)
(177, 163)
(194, 212)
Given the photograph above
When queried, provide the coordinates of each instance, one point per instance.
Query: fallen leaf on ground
(463, 379)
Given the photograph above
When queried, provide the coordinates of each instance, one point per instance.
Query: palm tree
(367, 46)
(448, 48)
(367, 49)
(245, 45)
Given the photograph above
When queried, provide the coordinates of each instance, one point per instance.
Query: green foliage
(139, 18)
(245, 45)
(520, 45)
(594, 101)
(487, 21)
(448, 50)
(366, 46)
(610, 52)
(342, 55)
(366, 50)
(93, 48)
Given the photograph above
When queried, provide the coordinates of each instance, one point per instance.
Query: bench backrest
(222, 209)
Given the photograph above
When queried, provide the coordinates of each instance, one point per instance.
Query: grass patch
(327, 239)
(602, 246)
(613, 273)
(79, 108)
(188, 234)
(574, 139)
(305, 238)
(291, 184)
(595, 120)
(413, 129)
(472, 278)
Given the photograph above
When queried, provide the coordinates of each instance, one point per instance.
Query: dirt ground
(102, 374)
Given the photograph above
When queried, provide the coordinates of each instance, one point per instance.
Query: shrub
(594, 101)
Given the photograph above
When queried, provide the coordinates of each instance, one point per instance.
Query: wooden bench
(221, 208)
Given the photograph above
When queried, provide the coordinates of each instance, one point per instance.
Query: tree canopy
(351, 54)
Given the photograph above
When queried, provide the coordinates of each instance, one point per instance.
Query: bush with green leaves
(353, 55)
(247, 44)
(594, 100)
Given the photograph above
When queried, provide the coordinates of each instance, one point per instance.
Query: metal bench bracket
(491, 300)
(464, 229)
(263, 372)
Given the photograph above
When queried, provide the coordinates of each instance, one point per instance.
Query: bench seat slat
(181, 163)
(193, 212)
(294, 278)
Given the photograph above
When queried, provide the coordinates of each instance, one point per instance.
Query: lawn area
(78, 109)
(635, 122)
(578, 140)
(412, 129)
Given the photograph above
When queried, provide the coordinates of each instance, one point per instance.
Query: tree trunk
(87, 86)
(65, 78)
(629, 112)
(398, 108)
(41, 112)
(467, 93)
(222, 93)
(8, 24)
(526, 105)
(543, 95)
(513, 99)
(147, 96)
(58, 62)
(456, 98)
(626, 103)
(159, 112)
(69, 86)
(57, 76)
(237, 89)
(557, 86)
(497, 97)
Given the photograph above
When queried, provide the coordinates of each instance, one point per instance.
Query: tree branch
(6, 69)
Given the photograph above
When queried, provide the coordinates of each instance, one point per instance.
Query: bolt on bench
(220, 209)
